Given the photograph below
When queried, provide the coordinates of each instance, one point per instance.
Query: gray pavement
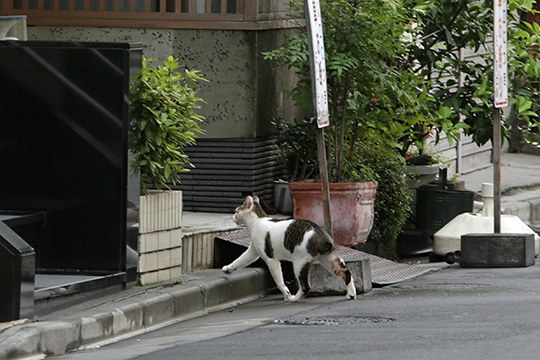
(132, 311)
(135, 310)
(455, 313)
(450, 314)
(518, 172)
(520, 185)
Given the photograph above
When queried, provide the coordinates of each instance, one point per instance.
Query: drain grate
(383, 271)
(334, 320)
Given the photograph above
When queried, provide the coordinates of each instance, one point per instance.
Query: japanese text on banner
(318, 62)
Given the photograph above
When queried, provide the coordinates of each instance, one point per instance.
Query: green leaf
(164, 120)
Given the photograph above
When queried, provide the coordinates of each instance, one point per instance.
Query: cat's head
(250, 208)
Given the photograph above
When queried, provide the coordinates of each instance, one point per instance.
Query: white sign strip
(318, 62)
(500, 57)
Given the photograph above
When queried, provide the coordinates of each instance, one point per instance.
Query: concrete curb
(129, 317)
(527, 210)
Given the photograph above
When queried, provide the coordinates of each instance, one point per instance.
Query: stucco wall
(243, 94)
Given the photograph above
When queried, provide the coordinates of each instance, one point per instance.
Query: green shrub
(163, 120)
(394, 72)
(298, 151)
(392, 203)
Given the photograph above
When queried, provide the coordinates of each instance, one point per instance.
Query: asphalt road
(452, 313)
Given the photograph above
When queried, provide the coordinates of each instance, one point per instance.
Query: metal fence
(172, 14)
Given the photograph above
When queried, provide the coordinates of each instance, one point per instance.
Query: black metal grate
(383, 271)
(226, 170)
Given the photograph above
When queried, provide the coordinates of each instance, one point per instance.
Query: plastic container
(282, 197)
(436, 206)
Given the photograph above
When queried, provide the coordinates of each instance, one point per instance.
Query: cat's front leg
(249, 256)
(301, 271)
(274, 266)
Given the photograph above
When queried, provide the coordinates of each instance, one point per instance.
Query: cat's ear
(248, 202)
(256, 199)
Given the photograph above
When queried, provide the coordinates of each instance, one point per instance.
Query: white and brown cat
(300, 241)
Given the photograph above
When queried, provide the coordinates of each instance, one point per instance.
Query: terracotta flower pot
(351, 208)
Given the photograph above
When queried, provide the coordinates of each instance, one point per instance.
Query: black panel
(228, 169)
(63, 148)
(17, 268)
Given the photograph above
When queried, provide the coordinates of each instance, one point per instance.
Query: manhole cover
(444, 286)
(333, 320)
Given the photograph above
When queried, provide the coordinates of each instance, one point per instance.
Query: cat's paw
(350, 296)
(287, 295)
(294, 298)
(226, 269)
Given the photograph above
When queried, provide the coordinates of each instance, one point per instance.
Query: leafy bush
(370, 93)
(444, 27)
(163, 120)
(392, 203)
(297, 149)
(394, 71)
(299, 153)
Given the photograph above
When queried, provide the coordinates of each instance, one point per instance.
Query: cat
(300, 241)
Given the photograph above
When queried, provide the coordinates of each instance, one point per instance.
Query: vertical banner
(317, 62)
(500, 99)
(320, 98)
(500, 59)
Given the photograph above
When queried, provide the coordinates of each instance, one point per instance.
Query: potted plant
(393, 70)
(423, 165)
(163, 120)
(365, 91)
(352, 202)
(298, 152)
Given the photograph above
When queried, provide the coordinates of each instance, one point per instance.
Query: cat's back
(276, 226)
(300, 235)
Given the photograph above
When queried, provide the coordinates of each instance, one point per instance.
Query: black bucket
(436, 205)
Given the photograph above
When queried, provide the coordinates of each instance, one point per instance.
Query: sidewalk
(520, 185)
(132, 311)
(138, 309)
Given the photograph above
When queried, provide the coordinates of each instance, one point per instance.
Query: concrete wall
(243, 93)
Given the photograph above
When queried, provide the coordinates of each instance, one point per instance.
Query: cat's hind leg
(249, 256)
(301, 271)
(335, 264)
(274, 266)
